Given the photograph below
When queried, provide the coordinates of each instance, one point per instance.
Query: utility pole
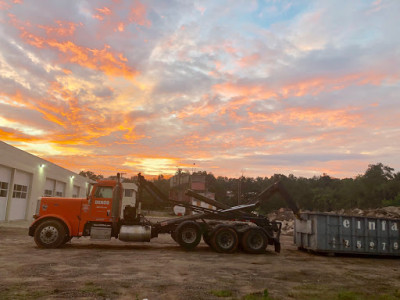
(193, 168)
(240, 188)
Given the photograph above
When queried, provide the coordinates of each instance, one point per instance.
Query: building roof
(7, 151)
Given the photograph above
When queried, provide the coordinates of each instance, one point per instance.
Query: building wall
(27, 178)
(196, 182)
(129, 197)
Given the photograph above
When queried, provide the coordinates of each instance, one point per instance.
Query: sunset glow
(260, 87)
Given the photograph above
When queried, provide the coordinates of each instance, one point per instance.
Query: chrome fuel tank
(135, 233)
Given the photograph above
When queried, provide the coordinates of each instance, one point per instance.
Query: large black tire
(254, 241)
(50, 234)
(224, 239)
(188, 234)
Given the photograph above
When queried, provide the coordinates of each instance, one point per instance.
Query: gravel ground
(162, 270)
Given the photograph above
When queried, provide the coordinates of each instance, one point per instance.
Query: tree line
(379, 186)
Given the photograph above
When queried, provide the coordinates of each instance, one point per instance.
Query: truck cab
(57, 220)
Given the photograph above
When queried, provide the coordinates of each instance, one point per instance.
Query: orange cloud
(15, 136)
(149, 166)
(242, 93)
(63, 29)
(313, 116)
(137, 14)
(105, 11)
(315, 86)
(153, 165)
(110, 164)
(81, 124)
(121, 27)
(104, 60)
(338, 168)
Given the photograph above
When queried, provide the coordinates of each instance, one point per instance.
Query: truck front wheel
(188, 234)
(49, 234)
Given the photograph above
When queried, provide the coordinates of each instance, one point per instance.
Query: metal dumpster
(330, 233)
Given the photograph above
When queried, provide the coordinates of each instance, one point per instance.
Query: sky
(251, 88)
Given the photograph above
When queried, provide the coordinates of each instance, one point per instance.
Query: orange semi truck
(58, 220)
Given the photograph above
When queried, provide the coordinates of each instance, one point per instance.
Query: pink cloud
(316, 117)
(250, 60)
(63, 29)
(101, 13)
(138, 13)
(105, 60)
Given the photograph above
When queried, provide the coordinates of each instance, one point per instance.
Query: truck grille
(38, 207)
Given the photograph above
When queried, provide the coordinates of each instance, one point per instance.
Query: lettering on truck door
(101, 204)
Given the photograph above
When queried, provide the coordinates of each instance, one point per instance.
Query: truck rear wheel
(254, 241)
(224, 239)
(188, 234)
(49, 234)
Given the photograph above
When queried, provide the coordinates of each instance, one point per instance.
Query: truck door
(101, 204)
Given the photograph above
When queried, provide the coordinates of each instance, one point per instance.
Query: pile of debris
(286, 216)
(384, 212)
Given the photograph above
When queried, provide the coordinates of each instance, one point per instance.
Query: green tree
(91, 175)
(374, 185)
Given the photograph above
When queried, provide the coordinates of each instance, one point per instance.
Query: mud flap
(277, 245)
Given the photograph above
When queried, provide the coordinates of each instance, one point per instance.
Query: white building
(25, 177)
(129, 196)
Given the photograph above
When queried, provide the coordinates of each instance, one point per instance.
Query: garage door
(60, 189)
(75, 191)
(49, 187)
(5, 179)
(19, 198)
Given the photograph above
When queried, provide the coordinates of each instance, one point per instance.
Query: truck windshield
(104, 192)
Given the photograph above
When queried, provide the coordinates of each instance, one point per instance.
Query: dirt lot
(162, 270)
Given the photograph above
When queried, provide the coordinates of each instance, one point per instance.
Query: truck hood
(51, 205)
